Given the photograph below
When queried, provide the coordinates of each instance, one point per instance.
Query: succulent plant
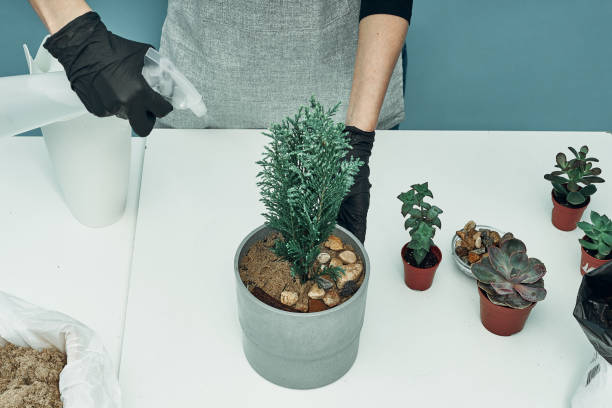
(579, 170)
(599, 233)
(423, 218)
(509, 277)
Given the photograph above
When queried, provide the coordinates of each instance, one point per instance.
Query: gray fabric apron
(256, 61)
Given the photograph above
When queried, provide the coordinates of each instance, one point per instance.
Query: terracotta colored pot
(588, 262)
(502, 320)
(565, 218)
(420, 278)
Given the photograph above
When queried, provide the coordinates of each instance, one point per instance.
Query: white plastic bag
(88, 380)
(595, 390)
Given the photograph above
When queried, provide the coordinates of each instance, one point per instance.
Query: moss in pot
(509, 285)
(596, 244)
(573, 186)
(304, 178)
(420, 256)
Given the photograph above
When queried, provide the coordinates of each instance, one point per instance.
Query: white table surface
(48, 258)
(182, 345)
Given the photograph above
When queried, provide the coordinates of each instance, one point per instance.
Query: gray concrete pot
(300, 350)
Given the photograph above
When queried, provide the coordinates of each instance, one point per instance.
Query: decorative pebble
(473, 257)
(495, 236)
(478, 241)
(470, 225)
(331, 298)
(324, 282)
(316, 292)
(349, 289)
(335, 262)
(348, 257)
(479, 251)
(334, 243)
(461, 251)
(351, 273)
(323, 258)
(288, 297)
(302, 305)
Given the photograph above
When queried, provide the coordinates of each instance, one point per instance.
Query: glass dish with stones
(470, 243)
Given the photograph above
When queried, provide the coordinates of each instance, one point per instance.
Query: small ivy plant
(567, 181)
(422, 220)
(303, 179)
(599, 232)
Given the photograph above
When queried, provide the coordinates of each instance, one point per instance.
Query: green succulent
(567, 181)
(509, 277)
(599, 233)
(422, 220)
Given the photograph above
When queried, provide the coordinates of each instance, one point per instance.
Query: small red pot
(588, 262)
(565, 218)
(502, 320)
(420, 278)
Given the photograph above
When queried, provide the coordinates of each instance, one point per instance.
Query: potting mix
(30, 378)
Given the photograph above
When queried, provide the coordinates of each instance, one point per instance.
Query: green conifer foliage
(303, 181)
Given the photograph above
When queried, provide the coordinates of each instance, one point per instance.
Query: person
(254, 61)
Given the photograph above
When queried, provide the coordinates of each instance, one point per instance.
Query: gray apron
(256, 61)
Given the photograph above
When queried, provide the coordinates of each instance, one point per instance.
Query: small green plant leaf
(561, 160)
(595, 171)
(571, 149)
(530, 292)
(587, 244)
(575, 198)
(585, 226)
(573, 186)
(557, 179)
(410, 223)
(406, 208)
(560, 189)
(592, 179)
(588, 190)
(603, 249)
(595, 218)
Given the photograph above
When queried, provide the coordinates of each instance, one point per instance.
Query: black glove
(354, 209)
(105, 71)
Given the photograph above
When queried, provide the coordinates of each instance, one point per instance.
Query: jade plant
(422, 220)
(575, 179)
(599, 233)
(508, 277)
(303, 181)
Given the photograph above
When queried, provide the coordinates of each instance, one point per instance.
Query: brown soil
(266, 275)
(429, 260)
(30, 378)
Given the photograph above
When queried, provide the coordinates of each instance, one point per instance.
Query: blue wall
(472, 64)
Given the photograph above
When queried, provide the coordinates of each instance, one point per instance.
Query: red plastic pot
(588, 262)
(420, 278)
(565, 218)
(502, 320)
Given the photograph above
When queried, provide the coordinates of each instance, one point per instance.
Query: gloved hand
(105, 71)
(354, 209)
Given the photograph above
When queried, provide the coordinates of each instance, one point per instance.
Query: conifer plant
(303, 179)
